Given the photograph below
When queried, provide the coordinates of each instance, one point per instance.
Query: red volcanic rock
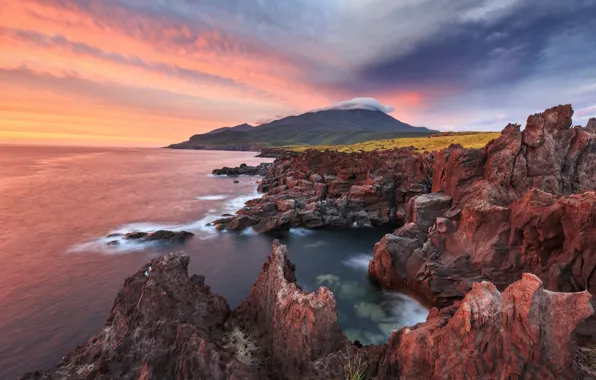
(503, 153)
(339, 189)
(455, 169)
(390, 264)
(295, 327)
(241, 222)
(557, 237)
(426, 208)
(163, 325)
(585, 169)
(500, 225)
(523, 333)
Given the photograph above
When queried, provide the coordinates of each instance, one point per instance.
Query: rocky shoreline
(261, 169)
(501, 241)
(330, 189)
(167, 325)
(524, 203)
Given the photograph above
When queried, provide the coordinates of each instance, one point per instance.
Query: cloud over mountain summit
(370, 104)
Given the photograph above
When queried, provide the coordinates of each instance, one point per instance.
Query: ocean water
(58, 278)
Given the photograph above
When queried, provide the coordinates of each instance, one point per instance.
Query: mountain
(326, 127)
(241, 128)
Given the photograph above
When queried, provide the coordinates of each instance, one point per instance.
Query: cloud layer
(362, 104)
(155, 71)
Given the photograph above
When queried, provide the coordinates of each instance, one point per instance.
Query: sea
(59, 278)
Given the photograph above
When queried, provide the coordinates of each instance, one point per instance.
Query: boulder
(169, 236)
(163, 236)
(241, 222)
(426, 208)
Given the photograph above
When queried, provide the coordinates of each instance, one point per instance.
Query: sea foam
(199, 227)
(358, 262)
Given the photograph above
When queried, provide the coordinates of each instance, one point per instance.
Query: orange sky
(154, 72)
(69, 77)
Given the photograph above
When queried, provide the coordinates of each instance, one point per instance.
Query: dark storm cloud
(485, 54)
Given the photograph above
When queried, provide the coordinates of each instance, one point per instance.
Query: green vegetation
(429, 143)
(355, 368)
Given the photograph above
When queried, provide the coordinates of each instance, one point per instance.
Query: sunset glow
(125, 72)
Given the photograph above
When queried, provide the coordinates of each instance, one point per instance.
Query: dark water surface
(58, 278)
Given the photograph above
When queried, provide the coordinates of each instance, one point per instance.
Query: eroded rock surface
(166, 325)
(524, 203)
(163, 325)
(330, 189)
(294, 326)
(523, 333)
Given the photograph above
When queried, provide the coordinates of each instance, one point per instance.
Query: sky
(154, 72)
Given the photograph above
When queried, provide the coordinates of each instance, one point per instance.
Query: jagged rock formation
(521, 204)
(163, 325)
(243, 169)
(292, 325)
(330, 189)
(522, 333)
(166, 325)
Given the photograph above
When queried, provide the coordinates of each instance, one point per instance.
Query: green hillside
(330, 127)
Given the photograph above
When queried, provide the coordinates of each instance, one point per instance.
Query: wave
(211, 197)
(301, 232)
(358, 262)
(102, 245)
(248, 232)
(316, 244)
(199, 227)
(405, 310)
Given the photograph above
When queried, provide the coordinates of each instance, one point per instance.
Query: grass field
(429, 144)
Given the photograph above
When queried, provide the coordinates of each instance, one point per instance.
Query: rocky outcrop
(331, 189)
(294, 326)
(166, 325)
(271, 152)
(318, 189)
(243, 169)
(521, 204)
(163, 325)
(523, 333)
(162, 236)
